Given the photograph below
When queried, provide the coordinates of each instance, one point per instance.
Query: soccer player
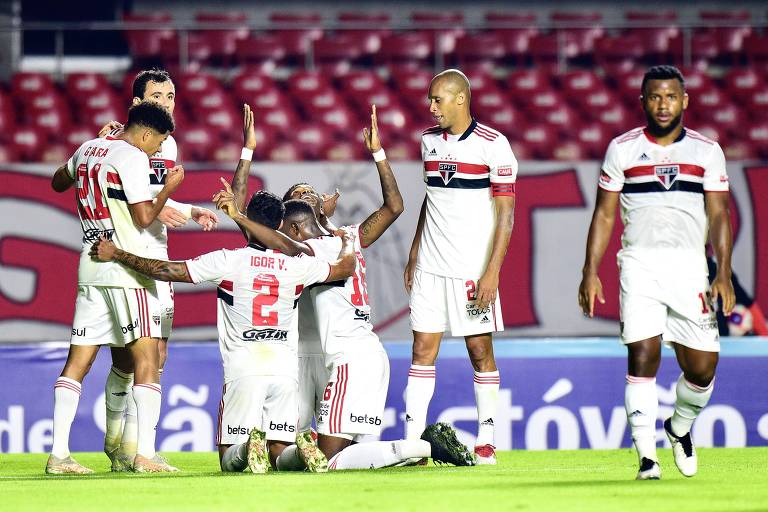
(114, 201)
(120, 437)
(258, 289)
(672, 185)
(461, 239)
(356, 367)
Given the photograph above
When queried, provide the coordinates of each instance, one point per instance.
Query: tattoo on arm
(160, 270)
(240, 183)
(371, 223)
(378, 222)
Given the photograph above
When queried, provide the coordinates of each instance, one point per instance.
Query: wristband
(246, 154)
(379, 155)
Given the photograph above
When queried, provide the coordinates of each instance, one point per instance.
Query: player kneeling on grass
(257, 290)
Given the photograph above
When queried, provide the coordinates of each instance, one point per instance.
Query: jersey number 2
(265, 298)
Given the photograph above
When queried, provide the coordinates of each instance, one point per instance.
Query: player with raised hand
(459, 246)
(672, 185)
(153, 85)
(351, 404)
(257, 290)
(114, 201)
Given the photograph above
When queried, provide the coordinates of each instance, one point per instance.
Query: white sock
(289, 460)
(148, 398)
(130, 438)
(642, 405)
(691, 399)
(115, 395)
(487, 398)
(235, 459)
(379, 454)
(66, 396)
(418, 393)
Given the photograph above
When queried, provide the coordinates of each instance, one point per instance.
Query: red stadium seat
(362, 81)
(151, 43)
(581, 38)
(546, 50)
(568, 151)
(25, 86)
(392, 119)
(407, 47)
(338, 49)
(487, 47)
(446, 26)
(54, 122)
(287, 151)
(96, 119)
(226, 152)
(102, 100)
(738, 149)
(296, 29)
(282, 120)
(727, 116)
(757, 134)
(480, 78)
(618, 119)
(503, 19)
(742, 83)
(757, 103)
(79, 85)
(193, 85)
(27, 143)
(345, 151)
(539, 138)
(757, 49)
(711, 131)
(260, 48)
(578, 83)
(504, 119)
(538, 100)
(560, 116)
(313, 139)
(223, 119)
(521, 150)
(488, 102)
(75, 136)
(399, 150)
(56, 152)
(628, 85)
(212, 100)
(413, 87)
(338, 118)
(222, 42)
(307, 83)
(524, 82)
(7, 122)
(246, 85)
(197, 142)
(618, 52)
(594, 139)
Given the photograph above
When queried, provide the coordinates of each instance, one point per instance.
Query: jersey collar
(469, 130)
(653, 139)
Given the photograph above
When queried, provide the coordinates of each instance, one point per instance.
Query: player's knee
(700, 376)
(424, 353)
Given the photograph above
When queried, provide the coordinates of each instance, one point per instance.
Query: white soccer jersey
(109, 175)
(662, 196)
(159, 163)
(341, 309)
(309, 335)
(257, 290)
(463, 174)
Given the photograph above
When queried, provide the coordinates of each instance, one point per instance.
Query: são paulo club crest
(447, 171)
(667, 174)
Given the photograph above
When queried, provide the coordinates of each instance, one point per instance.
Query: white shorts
(353, 401)
(265, 402)
(161, 308)
(678, 308)
(313, 378)
(441, 303)
(112, 316)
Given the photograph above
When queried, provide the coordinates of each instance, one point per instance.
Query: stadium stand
(566, 76)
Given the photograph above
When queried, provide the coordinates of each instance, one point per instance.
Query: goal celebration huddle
(305, 375)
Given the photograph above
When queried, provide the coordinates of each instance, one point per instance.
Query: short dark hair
(266, 208)
(150, 115)
(148, 75)
(663, 72)
(298, 209)
(289, 192)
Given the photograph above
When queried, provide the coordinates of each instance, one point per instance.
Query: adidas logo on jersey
(408, 418)
(643, 158)
(636, 413)
(433, 152)
(489, 421)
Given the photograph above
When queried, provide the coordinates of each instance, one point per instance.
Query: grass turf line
(564, 481)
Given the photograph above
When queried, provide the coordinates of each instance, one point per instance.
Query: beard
(661, 131)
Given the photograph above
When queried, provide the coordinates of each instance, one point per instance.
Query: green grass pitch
(564, 481)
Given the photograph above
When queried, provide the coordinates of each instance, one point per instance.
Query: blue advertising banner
(555, 394)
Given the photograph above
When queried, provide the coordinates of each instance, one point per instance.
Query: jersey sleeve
(502, 168)
(134, 175)
(715, 173)
(212, 266)
(72, 162)
(611, 173)
(170, 151)
(315, 270)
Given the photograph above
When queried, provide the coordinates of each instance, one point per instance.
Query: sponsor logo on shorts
(324, 411)
(370, 420)
(362, 315)
(130, 327)
(93, 235)
(237, 430)
(473, 312)
(265, 334)
(708, 324)
(282, 427)
(78, 332)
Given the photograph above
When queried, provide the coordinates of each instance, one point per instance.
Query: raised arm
(414, 252)
(159, 270)
(378, 222)
(721, 238)
(603, 219)
(267, 236)
(488, 284)
(240, 179)
(344, 266)
(62, 181)
(145, 213)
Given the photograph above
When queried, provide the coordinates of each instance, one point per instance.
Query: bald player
(461, 239)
